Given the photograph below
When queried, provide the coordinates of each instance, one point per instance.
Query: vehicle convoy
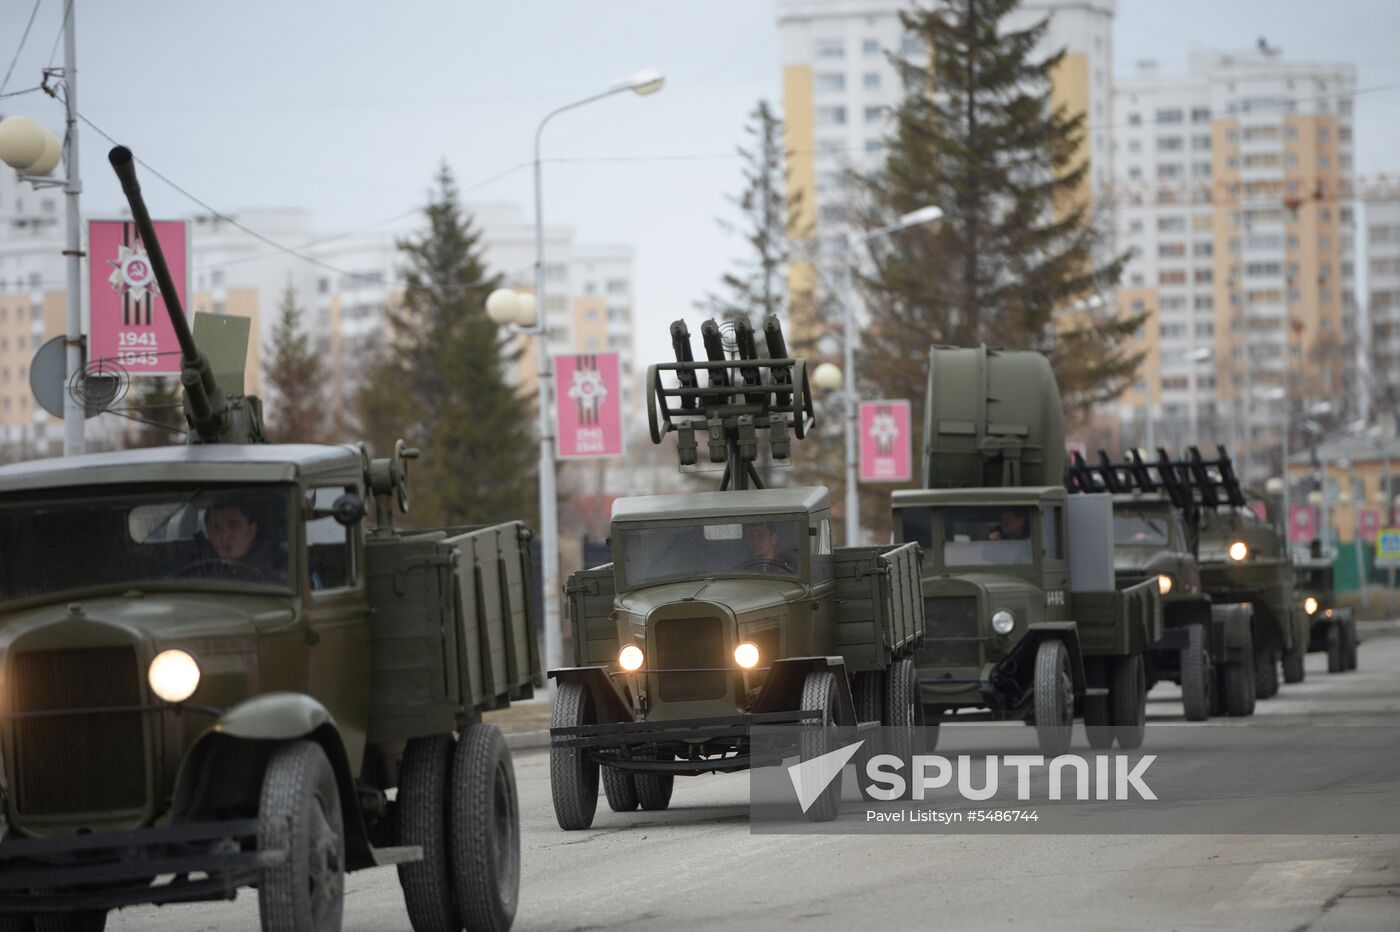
(1244, 560)
(1024, 620)
(1331, 627)
(726, 610)
(1205, 648)
(215, 674)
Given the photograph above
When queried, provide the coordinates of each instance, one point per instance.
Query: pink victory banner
(1370, 524)
(1302, 524)
(886, 442)
(588, 410)
(129, 325)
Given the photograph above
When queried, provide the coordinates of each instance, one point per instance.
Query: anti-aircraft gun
(1205, 648)
(1024, 620)
(1244, 561)
(216, 675)
(725, 610)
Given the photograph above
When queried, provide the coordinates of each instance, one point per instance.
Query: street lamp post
(914, 218)
(641, 83)
(1193, 358)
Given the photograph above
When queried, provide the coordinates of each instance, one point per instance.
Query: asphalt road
(697, 865)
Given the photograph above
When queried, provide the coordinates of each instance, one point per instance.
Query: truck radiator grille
(953, 632)
(690, 644)
(77, 763)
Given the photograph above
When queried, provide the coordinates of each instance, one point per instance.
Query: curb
(528, 740)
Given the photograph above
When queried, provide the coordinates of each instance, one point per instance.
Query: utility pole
(73, 408)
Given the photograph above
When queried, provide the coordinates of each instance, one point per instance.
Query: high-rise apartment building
(1230, 194)
(839, 88)
(1383, 307)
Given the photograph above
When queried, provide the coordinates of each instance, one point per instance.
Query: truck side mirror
(348, 510)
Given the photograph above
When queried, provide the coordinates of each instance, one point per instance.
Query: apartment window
(1322, 134)
(1262, 269)
(617, 286)
(1204, 302)
(1173, 303)
(873, 114)
(1135, 226)
(1134, 145)
(1205, 330)
(912, 45)
(1204, 276)
(870, 47)
(1200, 114)
(1261, 160)
(1171, 250)
(830, 81)
(873, 145)
(1290, 133)
(829, 146)
(1202, 250)
(1174, 223)
(1135, 119)
(323, 285)
(1169, 116)
(1170, 143)
(1324, 161)
(1172, 277)
(831, 116)
(1170, 170)
(1324, 296)
(1200, 169)
(871, 81)
(1200, 143)
(1325, 243)
(829, 48)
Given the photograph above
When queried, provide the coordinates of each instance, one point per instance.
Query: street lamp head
(923, 215)
(1320, 409)
(644, 82)
(503, 306)
(1273, 485)
(21, 142)
(827, 377)
(526, 309)
(1271, 394)
(1314, 498)
(46, 163)
(1200, 355)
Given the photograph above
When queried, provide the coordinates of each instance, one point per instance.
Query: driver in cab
(232, 532)
(764, 556)
(1011, 525)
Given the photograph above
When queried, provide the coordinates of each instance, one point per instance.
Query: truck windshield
(989, 535)
(1139, 529)
(765, 547)
(228, 534)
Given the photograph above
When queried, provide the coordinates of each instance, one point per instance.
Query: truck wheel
(1128, 693)
(1336, 656)
(1349, 642)
(1293, 671)
(1197, 681)
(1098, 718)
(422, 818)
(573, 777)
(868, 694)
(1054, 698)
(484, 828)
(620, 788)
(818, 738)
(1237, 685)
(654, 790)
(300, 812)
(1265, 673)
(903, 709)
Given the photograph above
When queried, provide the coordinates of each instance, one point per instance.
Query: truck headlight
(1238, 551)
(173, 675)
(1164, 584)
(1003, 621)
(631, 658)
(1310, 605)
(746, 655)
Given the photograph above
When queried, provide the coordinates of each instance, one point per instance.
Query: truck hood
(740, 596)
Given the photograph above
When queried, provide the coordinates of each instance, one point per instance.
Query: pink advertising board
(128, 324)
(1370, 524)
(588, 407)
(886, 442)
(1302, 524)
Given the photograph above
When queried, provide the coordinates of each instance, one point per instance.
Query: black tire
(1349, 642)
(1265, 673)
(1098, 715)
(1128, 693)
(1197, 678)
(903, 716)
(1054, 698)
(1293, 669)
(573, 777)
(868, 695)
(91, 921)
(422, 820)
(654, 790)
(22, 923)
(483, 818)
(1237, 685)
(1336, 654)
(300, 811)
(819, 694)
(620, 789)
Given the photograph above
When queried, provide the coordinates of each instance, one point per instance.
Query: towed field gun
(726, 610)
(1205, 648)
(1023, 617)
(216, 676)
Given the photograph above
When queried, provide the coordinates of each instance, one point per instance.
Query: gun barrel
(714, 351)
(680, 343)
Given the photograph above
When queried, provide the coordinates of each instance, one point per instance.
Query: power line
(62, 28)
(22, 39)
(27, 90)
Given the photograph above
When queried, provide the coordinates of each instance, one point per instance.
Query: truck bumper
(632, 745)
(112, 869)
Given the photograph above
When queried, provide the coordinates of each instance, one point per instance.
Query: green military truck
(1331, 627)
(1244, 561)
(1205, 648)
(1024, 620)
(725, 610)
(215, 675)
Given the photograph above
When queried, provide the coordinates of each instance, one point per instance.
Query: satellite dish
(48, 379)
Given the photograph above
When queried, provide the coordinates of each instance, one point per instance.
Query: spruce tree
(1013, 262)
(154, 404)
(440, 380)
(296, 410)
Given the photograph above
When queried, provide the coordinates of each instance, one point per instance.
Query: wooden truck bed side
(879, 603)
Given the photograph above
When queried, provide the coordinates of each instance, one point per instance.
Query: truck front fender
(782, 690)
(274, 717)
(609, 704)
(1066, 631)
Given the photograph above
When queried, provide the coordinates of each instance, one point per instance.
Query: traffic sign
(1388, 547)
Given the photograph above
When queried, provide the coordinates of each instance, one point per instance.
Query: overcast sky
(345, 107)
